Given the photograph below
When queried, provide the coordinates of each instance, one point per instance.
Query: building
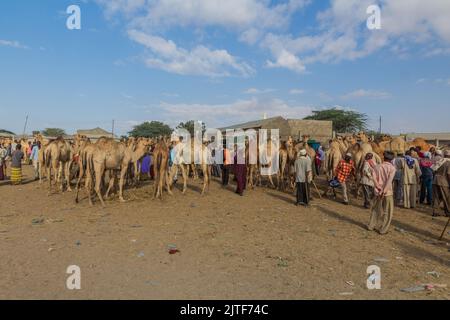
(437, 139)
(95, 134)
(320, 131)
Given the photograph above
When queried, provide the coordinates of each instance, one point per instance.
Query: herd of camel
(110, 157)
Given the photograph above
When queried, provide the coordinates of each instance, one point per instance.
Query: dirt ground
(259, 246)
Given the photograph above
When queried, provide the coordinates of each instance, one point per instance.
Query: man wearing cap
(441, 183)
(383, 206)
(344, 170)
(303, 176)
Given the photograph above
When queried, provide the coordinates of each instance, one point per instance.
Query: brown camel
(161, 164)
(58, 156)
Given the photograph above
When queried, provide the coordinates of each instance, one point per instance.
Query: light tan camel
(161, 164)
(109, 155)
(58, 156)
(332, 158)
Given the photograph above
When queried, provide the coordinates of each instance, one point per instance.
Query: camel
(114, 156)
(332, 158)
(266, 154)
(58, 156)
(161, 164)
(420, 142)
(283, 165)
(135, 151)
(41, 155)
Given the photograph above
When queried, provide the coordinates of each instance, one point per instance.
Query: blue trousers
(426, 190)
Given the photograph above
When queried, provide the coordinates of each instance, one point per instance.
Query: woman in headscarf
(16, 165)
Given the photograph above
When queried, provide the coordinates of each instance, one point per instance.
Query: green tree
(189, 126)
(150, 130)
(343, 120)
(7, 132)
(53, 132)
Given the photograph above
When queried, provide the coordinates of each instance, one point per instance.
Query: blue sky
(222, 62)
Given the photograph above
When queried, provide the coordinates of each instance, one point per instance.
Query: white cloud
(285, 59)
(231, 14)
(219, 115)
(341, 33)
(362, 93)
(12, 44)
(296, 91)
(338, 34)
(165, 55)
(258, 91)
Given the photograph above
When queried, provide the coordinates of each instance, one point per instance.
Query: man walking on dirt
(344, 170)
(303, 176)
(383, 206)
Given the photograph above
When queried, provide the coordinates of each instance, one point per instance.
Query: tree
(343, 120)
(7, 132)
(189, 126)
(53, 132)
(150, 130)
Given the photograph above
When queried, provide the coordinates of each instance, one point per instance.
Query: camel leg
(121, 183)
(112, 181)
(168, 182)
(162, 177)
(88, 187)
(68, 165)
(81, 174)
(184, 174)
(205, 178)
(99, 170)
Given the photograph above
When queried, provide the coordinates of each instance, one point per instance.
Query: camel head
(362, 137)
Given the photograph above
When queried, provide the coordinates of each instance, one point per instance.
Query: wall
(321, 131)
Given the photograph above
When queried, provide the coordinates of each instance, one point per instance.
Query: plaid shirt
(344, 170)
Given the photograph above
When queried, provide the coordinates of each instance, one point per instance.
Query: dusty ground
(259, 246)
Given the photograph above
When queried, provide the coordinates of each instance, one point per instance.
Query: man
(3, 153)
(240, 170)
(441, 183)
(344, 171)
(227, 161)
(411, 175)
(367, 179)
(16, 165)
(426, 187)
(320, 157)
(398, 179)
(303, 176)
(383, 207)
(34, 157)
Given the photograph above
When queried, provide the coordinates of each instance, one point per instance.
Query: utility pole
(113, 128)
(380, 125)
(25, 126)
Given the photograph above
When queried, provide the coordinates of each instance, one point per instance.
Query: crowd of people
(15, 155)
(402, 180)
